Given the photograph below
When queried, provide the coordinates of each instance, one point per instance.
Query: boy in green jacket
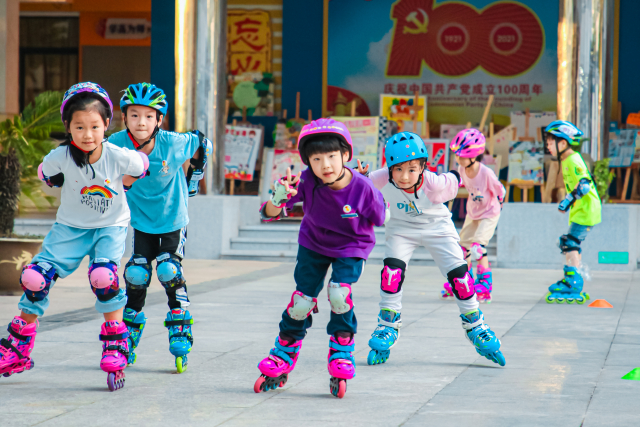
(583, 204)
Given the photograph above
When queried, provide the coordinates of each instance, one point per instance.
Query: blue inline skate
(482, 337)
(179, 323)
(569, 289)
(385, 336)
(135, 324)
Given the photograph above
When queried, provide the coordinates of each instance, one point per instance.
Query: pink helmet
(322, 126)
(86, 87)
(468, 143)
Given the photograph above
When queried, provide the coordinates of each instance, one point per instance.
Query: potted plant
(603, 177)
(24, 141)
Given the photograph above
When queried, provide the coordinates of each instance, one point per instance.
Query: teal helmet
(403, 147)
(565, 130)
(146, 94)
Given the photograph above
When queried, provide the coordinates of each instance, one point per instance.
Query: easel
(622, 194)
(525, 186)
(232, 182)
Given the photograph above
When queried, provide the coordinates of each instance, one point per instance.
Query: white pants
(440, 239)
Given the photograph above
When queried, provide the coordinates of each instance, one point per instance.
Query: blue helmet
(565, 130)
(404, 146)
(146, 94)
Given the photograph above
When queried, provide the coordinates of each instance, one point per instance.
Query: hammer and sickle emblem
(420, 27)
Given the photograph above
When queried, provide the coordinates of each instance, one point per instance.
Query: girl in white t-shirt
(91, 220)
(484, 204)
(420, 218)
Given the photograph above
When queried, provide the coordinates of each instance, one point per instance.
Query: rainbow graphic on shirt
(97, 197)
(96, 190)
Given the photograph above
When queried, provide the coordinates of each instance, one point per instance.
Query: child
(486, 195)
(419, 218)
(159, 214)
(341, 207)
(92, 220)
(582, 201)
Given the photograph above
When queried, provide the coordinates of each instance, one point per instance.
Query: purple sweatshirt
(339, 223)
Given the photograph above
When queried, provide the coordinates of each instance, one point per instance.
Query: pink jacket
(486, 193)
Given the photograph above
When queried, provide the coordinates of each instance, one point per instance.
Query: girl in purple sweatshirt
(341, 208)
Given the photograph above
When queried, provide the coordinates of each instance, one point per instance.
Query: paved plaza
(564, 362)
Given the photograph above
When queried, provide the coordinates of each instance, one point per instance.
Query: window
(48, 55)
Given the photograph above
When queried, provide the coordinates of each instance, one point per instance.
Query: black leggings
(150, 246)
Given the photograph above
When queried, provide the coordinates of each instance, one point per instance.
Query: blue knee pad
(169, 271)
(36, 280)
(569, 243)
(138, 272)
(103, 277)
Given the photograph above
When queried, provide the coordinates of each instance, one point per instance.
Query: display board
(438, 150)
(455, 52)
(526, 162)
(367, 133)
(622, 145)
(401, 111)
(241, 145)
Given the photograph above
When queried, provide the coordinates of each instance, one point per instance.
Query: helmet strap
(472, 162)
(136, 144)
(344, 171)
(415, 186)
(560, 153)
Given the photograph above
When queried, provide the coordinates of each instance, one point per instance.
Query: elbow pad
(583, 188)
(204, 149)
(52, 181)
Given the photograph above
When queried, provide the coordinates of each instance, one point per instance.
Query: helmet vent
(403, 138)
(391, 158)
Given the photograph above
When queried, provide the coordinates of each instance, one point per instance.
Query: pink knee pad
(301, 306)
(33, 280)
(340, 297)
(465, 286)
(103, 277)
(36, 279)
(392, 275)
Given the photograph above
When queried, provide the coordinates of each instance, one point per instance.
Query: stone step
(260, 243)
(418, 258)
(32, 226)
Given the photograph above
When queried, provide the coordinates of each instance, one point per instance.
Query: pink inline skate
(15, 351)
(115, 352)
(484, 284)
(276, 367)
(341, 366)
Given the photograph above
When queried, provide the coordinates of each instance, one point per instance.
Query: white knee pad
(340, 297)
(301, 306)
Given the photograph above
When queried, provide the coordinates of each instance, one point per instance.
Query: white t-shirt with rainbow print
(90, 201)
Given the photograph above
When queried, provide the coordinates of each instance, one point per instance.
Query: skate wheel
(498, 357)
(259, 384)
(339, 389)
(130, 361)
(111, 381)
(31, 365)
(180, 366)
(371, 358)
(6, 374)
(570, 300)
(549, 298)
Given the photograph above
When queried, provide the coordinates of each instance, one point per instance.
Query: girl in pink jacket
(486, 195)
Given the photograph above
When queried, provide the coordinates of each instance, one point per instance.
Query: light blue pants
(65, 247)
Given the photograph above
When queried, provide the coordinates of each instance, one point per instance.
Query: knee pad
(169, 271)
(103, 277)
(392, 275)
(340, 297)
(137, 272)
(462, 283)
(477, 252)
(301, 306)
(37, 279)
(568, 243)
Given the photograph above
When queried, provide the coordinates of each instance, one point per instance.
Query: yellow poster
(401, 110)
(248, 41)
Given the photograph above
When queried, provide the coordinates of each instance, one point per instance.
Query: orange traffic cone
(600, 303)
